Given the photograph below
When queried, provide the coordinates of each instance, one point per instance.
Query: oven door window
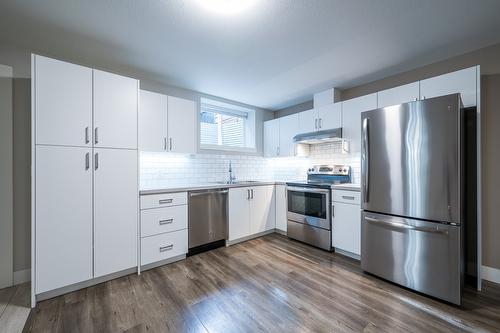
(307, 203)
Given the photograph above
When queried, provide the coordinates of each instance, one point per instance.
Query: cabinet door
(262, 209)
(271, 138)
(398, 95)
(116, 199)
(182, 125)
(152, 121)
(330, 116)
(289, 127)
(239, 213)
(346, 230)
(115, 111)
(63, 103)
(351, 119)
(463, 81)
(308, 121)
(281, 207)
(63, 216)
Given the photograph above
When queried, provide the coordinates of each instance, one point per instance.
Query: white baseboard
(22, 276)
(490, 274)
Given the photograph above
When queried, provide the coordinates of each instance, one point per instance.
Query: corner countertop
(159, 188)
(162, 187)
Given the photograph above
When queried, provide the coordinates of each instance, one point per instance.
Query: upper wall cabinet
(115, 111)
(463, 81)
(63, 102)
(398, 95)
(152, 121)
(271, 138)
(182, 126)
(289, 127)
(167, 123)
(328, 116)
(351, 118)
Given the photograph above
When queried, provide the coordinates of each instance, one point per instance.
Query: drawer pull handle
(347, 197)
(166, 248)
(165, 201)
(169, 221)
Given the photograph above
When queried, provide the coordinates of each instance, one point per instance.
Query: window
(225, 126)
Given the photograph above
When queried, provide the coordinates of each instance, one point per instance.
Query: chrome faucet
(232, 178)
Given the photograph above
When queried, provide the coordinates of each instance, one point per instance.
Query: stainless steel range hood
(319, 136)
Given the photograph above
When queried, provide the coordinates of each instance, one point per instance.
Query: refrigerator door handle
(365, 160)
(401, 226)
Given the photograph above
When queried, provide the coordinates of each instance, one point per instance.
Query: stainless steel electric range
(309, 204)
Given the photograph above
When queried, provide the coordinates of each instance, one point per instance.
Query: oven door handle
(307, 189)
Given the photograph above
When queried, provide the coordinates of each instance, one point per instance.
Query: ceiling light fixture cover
(227, 7)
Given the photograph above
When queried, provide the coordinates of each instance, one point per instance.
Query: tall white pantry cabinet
(84, 176)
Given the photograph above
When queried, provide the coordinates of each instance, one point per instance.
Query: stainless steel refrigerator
(412, 170)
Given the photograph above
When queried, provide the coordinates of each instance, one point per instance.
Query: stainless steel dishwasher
(208, 218)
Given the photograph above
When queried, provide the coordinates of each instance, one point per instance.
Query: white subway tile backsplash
(175, 169)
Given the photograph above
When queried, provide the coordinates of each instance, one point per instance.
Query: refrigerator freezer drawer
(423, 256)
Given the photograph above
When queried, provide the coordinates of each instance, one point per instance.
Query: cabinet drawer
(163, 246)
(352, 197)
(163, 200)
(161, 220)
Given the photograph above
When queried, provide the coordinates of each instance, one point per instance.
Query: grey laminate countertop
(165, 188)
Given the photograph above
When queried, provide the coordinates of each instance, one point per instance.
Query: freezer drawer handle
(165, 201)
(168, 221)
(166, 248)
(348, 197)
(402, 226)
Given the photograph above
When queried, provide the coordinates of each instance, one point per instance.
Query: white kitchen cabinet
(239, 213)
(63, 103)
(115, 111)
(289, 127)
(182, 123)
(152, 121)
(281, 207)
(271, 138)
(351, 119)
(330, 116)
(164, 246)
(262, 209)
(308, 121)
(116, 200)
(463, 81)
(63, 214)
(398, 95)
(251, 211)
(346, 226)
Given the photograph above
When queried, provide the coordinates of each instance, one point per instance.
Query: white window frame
(250, 130)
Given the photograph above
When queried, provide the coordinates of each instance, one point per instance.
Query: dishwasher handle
(196, 194)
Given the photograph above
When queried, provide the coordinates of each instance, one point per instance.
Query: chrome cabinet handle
(87, 139)
(166, 248)
(168, 221)
(365, 160)
(96, 161)
(401, 226)
(316, 123)
(87, 161)
(165, 201)
(96, 135)
(252, 194)
(170, 144)
(248, 194)
(347, 197)
(165, 143)
(319, 122)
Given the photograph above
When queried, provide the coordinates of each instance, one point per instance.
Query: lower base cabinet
(252, 210)
(163, 246)
(346, 226)
(281, 207)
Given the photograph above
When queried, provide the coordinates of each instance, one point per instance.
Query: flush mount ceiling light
(227, 7)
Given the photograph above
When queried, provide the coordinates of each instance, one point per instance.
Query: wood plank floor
(14, 307)
(269, 284)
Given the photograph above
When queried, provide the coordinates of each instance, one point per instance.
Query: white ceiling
(276, 54)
